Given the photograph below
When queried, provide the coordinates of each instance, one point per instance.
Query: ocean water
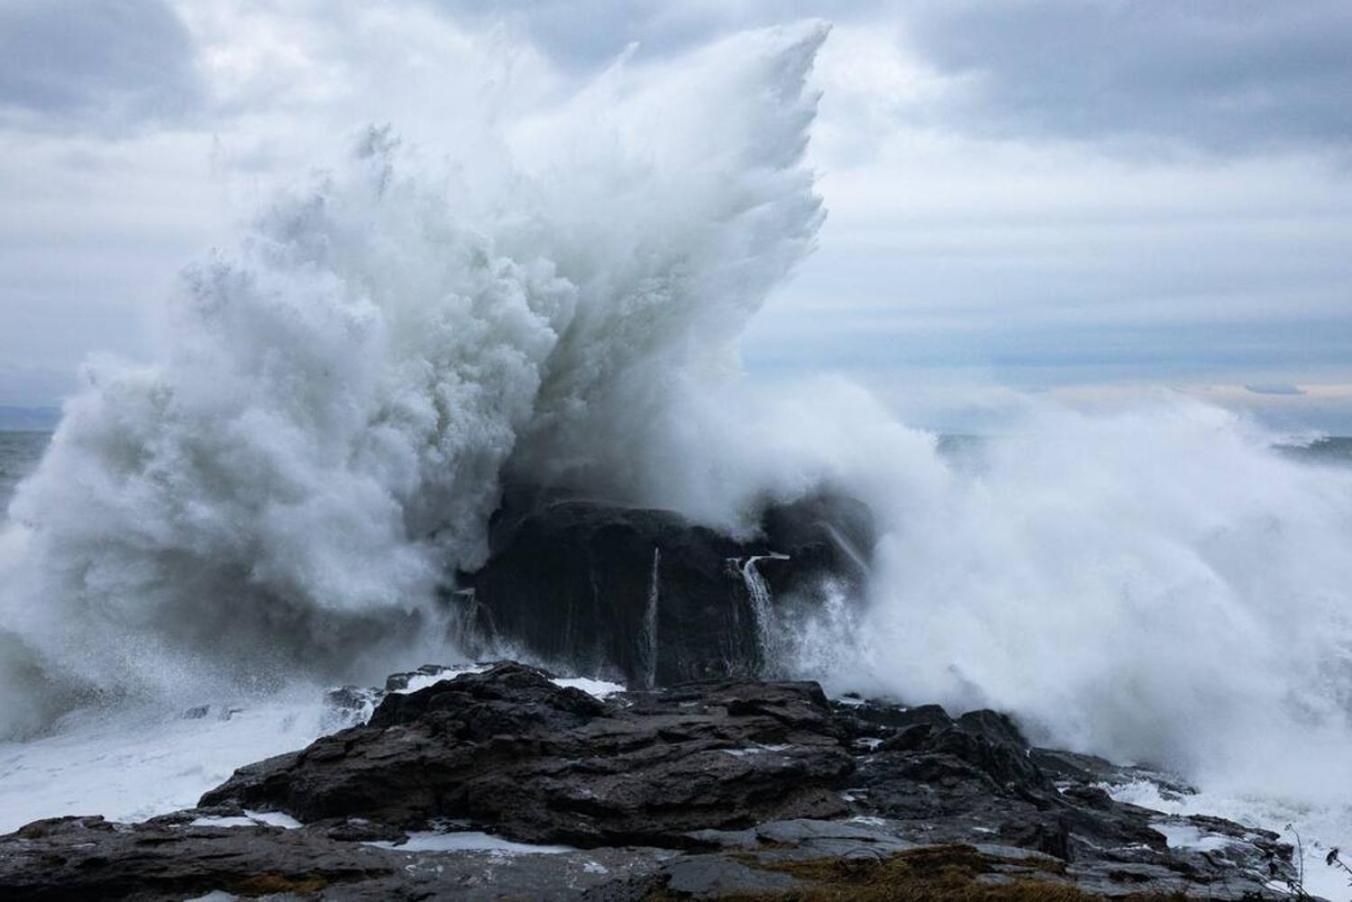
(19, 456)
(1333, 450)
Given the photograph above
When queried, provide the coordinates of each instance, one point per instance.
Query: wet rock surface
(731, 788)
(542, 763)
(643, 595)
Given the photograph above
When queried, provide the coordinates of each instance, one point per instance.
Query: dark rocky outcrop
(541, 763)
(88, 858)
(727, 788)
(951, 780)
(642, 594)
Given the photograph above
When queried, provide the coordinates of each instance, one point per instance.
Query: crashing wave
(328, 429)
(326, 433)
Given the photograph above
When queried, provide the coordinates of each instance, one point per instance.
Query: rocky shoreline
(502, 783)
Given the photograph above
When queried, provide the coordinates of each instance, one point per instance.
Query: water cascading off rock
(645, 596)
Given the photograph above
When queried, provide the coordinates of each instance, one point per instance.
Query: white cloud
(971, 243)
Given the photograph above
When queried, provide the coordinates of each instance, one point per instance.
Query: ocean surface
(21, 451)
(19, 454)
(1335, 450)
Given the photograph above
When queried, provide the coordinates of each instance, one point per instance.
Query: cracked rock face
(643, 594)
(541, 763)
(89, 858)
(703, 790)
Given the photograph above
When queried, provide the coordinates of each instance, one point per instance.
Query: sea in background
(19, 454)
(1335, 449)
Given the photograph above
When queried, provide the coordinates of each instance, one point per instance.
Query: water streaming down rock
(650, 622)
(644, 595)
(762, 607)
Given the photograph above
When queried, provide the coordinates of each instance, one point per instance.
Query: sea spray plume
(706, 207)
(262, 497)
(1155, 584)
(323, 437)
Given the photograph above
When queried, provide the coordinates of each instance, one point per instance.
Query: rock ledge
(501, 783)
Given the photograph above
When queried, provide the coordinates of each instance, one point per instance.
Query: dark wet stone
(571, 582)
(710, 876)
(89, 858)
(510, 750)
(734, 787)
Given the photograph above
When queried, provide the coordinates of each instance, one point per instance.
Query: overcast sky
(1067, 198)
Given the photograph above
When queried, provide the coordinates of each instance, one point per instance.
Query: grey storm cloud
(1224, 75)
(103, 65)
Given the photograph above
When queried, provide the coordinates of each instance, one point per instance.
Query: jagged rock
(725, 788)
(1088, 769)
(400, 682)
(89, 858)
(938, 779)
(711, 876)
(353, 703)
(643, 594)
(511, 750)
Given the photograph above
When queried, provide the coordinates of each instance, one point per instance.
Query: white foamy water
(248, 819)
(275, 497)
(337, 401)
(468, 841)
(136, 762)
(1312, 822)
(601, 689)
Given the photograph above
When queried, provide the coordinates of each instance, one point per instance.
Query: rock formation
(733, 787)
(642, 594)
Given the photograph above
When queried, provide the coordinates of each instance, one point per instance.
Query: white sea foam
(1158, 583)
(248, 819)
(134, 763)
(324, 436)
(1186, 836)
(1311, 821)
(601, 689)
(423, 680)
(468, 841)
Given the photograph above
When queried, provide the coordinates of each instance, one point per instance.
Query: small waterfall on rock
(470, 622)
(650, 624)
(762, 605)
